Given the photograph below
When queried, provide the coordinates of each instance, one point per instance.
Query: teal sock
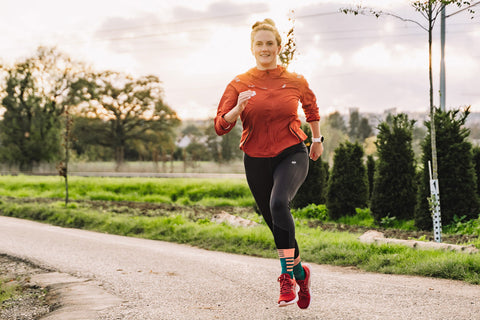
(298, 271)
(287, 260)
(285, 266)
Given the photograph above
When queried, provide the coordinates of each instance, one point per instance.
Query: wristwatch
(318, 139)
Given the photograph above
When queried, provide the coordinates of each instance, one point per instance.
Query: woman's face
(265, 49)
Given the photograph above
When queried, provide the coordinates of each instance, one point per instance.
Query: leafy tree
(347, 186)
(336, 121)
(419, 133)
(333, 137)
(197, 152)
(214, 143)
(229, 145)
(196, 149)
(370, 174)
(223, 148)
(130, 108)
(394, 190)
(161, 141)
(89, 133)
(156, 144)
(458, 184)
(38, 90)
(314, 188)
(359, 128)
(364, 129)
(192, 131)
(476, 165)
(353, 124)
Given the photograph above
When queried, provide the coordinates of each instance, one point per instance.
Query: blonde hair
(268, 25)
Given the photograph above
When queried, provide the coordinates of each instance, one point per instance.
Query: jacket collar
(267, 73)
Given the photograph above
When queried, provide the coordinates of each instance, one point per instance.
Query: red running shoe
(288, 294)
(304, 292)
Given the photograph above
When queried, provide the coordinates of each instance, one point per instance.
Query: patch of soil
(145, 208)
(31, 303)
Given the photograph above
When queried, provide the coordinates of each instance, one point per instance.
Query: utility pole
(434, 186)
(443, 17)
(442, 60)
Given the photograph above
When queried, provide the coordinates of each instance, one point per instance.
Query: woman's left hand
(316, 150)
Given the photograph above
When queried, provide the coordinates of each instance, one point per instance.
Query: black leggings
(274, 182)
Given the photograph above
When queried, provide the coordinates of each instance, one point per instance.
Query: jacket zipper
(296, 135)
(242, 143)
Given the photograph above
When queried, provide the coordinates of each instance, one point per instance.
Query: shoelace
(286, 284)
(303, 285)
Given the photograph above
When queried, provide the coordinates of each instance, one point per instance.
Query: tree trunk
(67, 153)
(119, 157)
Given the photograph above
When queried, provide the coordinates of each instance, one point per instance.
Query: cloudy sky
(197, 47)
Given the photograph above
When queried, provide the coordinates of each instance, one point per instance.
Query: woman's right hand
(243, 98)
(242, 101)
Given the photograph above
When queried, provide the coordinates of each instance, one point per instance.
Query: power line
(233, 15)
(165, 33)
(319, 14)
(212, 18)
(173, 23)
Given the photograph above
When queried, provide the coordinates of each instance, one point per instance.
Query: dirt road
(145, 279)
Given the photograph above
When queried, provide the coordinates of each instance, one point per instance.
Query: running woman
(266, 100)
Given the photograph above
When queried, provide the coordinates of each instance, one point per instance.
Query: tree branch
(404, 19)
(377, 14)
(467, 8)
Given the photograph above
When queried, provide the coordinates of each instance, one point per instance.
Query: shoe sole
(288, 303)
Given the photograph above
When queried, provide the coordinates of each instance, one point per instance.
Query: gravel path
(31, 303)
(159, 280)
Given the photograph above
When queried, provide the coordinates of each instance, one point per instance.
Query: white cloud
(348, 60)
(399, 58)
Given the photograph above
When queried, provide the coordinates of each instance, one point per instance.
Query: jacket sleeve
(227, 103)
(309, 103)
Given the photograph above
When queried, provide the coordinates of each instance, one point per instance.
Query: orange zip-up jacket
(270, 119)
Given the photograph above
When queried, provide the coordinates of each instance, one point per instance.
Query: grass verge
(318, 246)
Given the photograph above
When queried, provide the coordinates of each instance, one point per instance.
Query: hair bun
(265, 21)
